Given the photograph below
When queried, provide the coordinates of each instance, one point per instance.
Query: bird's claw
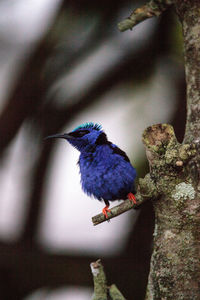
(105, 210)
(132, 198)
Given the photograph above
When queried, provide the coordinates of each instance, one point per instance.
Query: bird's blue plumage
(106, 172)
(106, 175)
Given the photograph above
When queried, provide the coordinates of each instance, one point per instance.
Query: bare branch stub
(99, 278)
(101, 290)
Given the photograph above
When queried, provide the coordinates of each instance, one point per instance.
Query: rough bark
(189, 15)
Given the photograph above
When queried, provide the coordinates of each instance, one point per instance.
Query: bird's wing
(117, 150)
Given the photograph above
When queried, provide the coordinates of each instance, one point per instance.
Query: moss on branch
(162, 147)
(115, 294)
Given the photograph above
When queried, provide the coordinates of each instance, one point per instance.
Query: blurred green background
(63, 63)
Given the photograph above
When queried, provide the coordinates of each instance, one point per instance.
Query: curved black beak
(58, 135)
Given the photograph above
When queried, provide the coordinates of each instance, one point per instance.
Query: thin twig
(149, 10)
(119, 209)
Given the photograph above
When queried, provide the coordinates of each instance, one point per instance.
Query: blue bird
(106, 171)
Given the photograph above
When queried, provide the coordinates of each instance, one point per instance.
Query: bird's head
(84, 137)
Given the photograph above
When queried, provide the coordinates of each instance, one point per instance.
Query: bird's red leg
(132, 198)
(106, 209)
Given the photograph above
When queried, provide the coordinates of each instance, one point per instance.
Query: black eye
(79, 133)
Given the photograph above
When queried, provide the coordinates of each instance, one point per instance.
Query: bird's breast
(107, 178)
(94, 167)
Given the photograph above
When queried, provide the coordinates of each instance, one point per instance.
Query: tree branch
(149, 10)
(146, 191)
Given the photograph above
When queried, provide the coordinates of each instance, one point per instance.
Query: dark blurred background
(63, 63)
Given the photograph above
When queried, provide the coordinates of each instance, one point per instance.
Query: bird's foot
(132, 198)
(105, 210)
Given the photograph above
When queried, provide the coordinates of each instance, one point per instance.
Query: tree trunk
(175, 170)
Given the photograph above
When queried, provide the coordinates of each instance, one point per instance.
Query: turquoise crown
(89, 125)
